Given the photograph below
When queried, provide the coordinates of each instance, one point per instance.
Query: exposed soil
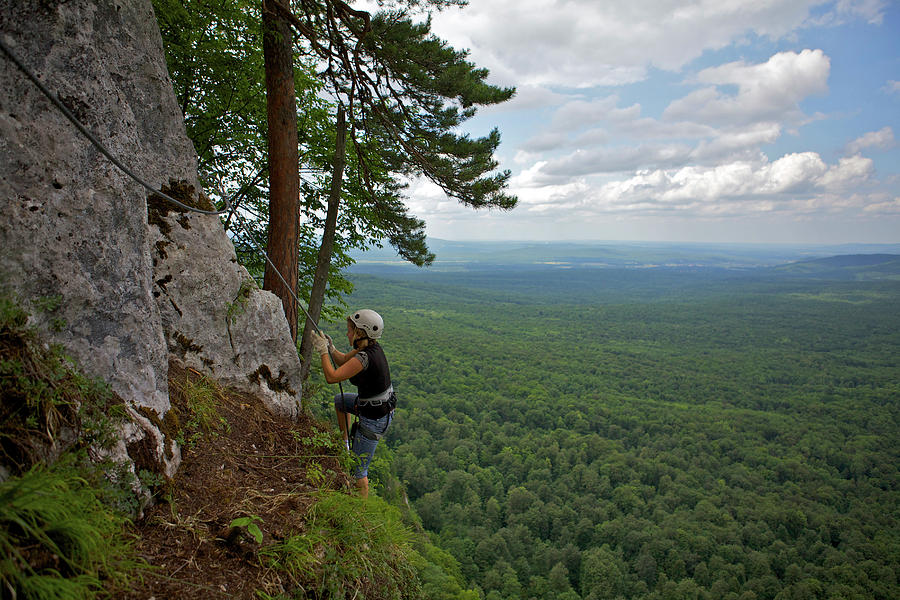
(259, 465)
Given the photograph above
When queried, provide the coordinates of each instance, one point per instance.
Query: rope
(249, 234)
(74, 120)
(228, 207)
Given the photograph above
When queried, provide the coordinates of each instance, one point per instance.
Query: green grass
(61, 524)
(58, 538)
(352, 547)
(202, 398)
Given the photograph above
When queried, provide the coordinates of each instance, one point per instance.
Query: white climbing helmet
(369, 321)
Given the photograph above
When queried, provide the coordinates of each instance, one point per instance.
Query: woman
(366, 367)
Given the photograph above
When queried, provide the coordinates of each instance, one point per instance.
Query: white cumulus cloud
(726, 144)
(883, 139)
(615, 159)
(584, 43)
(795, 183)
(886, 207)
(767, 91)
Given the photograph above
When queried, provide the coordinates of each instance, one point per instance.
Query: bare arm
(347, 369)
(342, 357)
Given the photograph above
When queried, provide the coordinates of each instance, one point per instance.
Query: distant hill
(860, 267)
(457, 256)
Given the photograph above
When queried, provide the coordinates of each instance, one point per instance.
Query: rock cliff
(140, 282)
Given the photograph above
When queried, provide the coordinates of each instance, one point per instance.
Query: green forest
(700, 431)
(647, 433)
(581, 422)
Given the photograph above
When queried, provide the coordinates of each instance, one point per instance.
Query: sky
(762, 121)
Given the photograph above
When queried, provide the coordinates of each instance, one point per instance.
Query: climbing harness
(386, 401)
(382, 398)
(385, 398)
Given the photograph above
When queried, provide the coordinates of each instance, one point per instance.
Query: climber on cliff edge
(366, 367)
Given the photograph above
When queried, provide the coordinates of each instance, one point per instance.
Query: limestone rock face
(138, 287)
(215, 318)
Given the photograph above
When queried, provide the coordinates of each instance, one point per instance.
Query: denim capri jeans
(362, 446)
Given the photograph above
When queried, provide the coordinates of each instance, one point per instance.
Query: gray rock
(216, 319)
(134, 294)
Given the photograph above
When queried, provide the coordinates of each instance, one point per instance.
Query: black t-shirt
(373, 380)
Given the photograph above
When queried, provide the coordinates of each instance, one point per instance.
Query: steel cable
(84, 131)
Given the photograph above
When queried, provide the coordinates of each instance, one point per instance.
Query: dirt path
(257, 466)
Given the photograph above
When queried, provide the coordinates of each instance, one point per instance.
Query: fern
(59, 539)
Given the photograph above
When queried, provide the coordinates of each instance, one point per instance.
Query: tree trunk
(323, 262)
(284, 177)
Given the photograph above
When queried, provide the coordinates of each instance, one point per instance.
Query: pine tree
(405, 92)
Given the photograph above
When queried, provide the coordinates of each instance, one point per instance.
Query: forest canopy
(703, 435)
(563, 435)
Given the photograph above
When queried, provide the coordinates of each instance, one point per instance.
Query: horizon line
(667, 242)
